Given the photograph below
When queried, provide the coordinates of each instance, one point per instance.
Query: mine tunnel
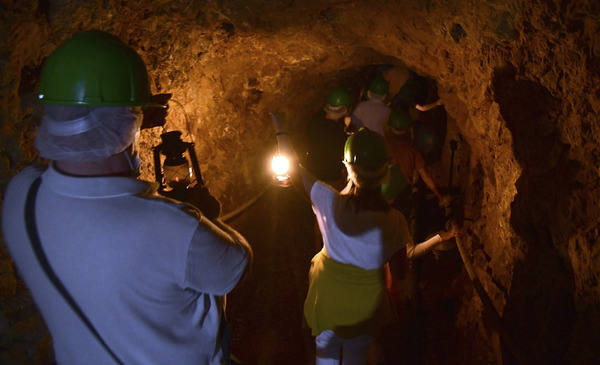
(518, 148)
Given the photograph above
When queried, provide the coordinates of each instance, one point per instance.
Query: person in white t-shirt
(149, 275)
(346, 301)
(373, 113)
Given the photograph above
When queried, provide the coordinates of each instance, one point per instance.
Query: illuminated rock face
(519, 80)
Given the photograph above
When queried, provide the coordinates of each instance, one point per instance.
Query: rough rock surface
(519, 81)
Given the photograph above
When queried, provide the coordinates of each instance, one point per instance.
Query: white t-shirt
(149, 275)
(366, 239)
(372, 114)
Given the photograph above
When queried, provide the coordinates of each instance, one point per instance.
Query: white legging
(354, 350)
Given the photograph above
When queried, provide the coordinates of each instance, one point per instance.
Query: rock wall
(519, 81)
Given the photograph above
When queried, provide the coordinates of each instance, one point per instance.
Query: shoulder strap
(43, 261)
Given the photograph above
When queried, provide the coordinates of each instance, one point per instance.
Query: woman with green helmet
(346, 303)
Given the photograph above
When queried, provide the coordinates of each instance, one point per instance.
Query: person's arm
(155, 116)
(301, 178)
(415, 251)
(348, 127)
(429, 182)
(217, 258)
(236, 238)
(427, 107)
(444, 201)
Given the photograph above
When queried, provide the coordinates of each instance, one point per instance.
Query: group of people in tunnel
(122, 275)
(359, 169)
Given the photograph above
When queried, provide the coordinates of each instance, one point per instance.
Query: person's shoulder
(169, 209)
(321, 191)
(16, 191)
(30, 172)
(362, 104)
(25, 177)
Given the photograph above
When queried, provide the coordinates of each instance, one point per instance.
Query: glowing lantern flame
(280, 165)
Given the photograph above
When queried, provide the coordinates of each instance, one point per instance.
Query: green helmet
(94, 68)
(339, 97)
(366, 149)
(400, 119)
(379, 86)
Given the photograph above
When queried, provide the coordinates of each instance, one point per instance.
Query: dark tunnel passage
(266, 310)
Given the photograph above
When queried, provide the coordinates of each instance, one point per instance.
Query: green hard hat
(379, 86)
(339, 97)
(366, 149)
(400, 119)
(94, 68)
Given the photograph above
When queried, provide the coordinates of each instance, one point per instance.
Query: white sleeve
(321, 196)
(216, 260)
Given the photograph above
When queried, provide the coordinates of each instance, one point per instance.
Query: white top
(366, 239)
(372, 114)
(149, 275)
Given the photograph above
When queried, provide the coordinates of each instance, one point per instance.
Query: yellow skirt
(346, 299)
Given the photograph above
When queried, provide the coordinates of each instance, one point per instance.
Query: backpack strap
(36, 244)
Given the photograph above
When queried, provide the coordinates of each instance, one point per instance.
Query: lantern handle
(195, 165)
(187, 119)
(157, 170)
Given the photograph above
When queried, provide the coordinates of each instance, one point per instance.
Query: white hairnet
(336, 111)
(77, 133)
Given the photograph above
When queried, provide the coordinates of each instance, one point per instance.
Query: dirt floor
(265, 310)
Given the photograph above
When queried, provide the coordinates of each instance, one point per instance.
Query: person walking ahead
(346, 301)
(147, 276)
(373, 113)
(325, 138)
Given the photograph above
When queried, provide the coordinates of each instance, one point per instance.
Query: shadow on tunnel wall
(540, 311)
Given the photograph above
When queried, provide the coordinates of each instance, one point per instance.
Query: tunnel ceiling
(519, 80)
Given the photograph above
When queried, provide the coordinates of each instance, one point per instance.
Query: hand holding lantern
(177, 179)
(155, 116)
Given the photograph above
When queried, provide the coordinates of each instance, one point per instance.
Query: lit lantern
(175, 175)
(280, 165)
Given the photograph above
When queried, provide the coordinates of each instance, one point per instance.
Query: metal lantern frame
(171, 145)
